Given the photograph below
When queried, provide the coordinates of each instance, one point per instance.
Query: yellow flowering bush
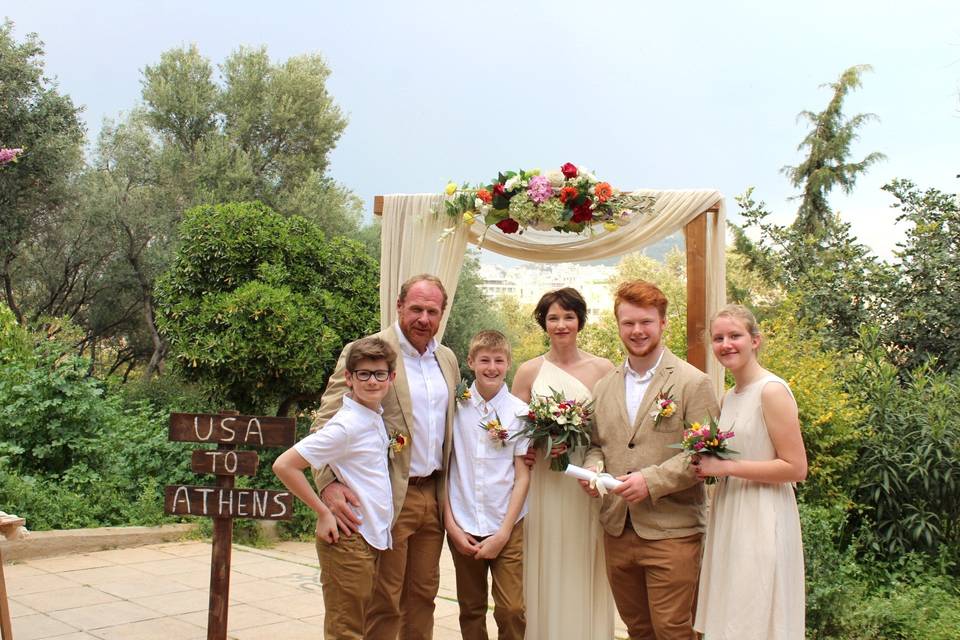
(831, 421)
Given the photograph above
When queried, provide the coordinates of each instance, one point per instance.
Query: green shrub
(910, 458)
(831, 419)
(855, 595)
(258, 306)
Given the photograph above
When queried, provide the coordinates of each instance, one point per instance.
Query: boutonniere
(495, 431)
(463, 392)
(664, 407)
(396, 443)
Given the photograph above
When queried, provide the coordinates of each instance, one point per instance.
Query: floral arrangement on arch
(570, 200)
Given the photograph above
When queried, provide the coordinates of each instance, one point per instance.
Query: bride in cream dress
(567, 594)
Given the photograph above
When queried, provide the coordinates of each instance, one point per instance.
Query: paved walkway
(161, 592)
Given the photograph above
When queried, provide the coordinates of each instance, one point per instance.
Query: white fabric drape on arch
(410, 233)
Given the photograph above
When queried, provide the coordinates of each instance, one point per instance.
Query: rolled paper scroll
(601, 481)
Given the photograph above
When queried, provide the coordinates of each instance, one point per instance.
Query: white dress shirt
(354, 444)
(636, 387)
(482, 472)
(428, 398)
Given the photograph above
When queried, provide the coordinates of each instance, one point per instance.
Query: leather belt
(419, 480)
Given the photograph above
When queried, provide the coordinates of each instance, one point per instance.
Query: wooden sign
(223, 502)
(251, 431)
(260, 504)
(225, 463)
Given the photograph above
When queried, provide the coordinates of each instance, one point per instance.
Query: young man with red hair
(653, 523)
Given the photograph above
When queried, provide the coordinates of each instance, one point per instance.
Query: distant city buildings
(528, 282)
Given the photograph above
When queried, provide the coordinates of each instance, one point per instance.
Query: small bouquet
(395, 443)
(665, 405)
(463, 393)
(552, 420)
(496, 431)
(705, 439)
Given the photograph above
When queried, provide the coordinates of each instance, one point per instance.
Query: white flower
(512, 183)
(478, 203)
(556, 178)
(562, 419)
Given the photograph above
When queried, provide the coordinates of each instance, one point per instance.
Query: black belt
(419, 480)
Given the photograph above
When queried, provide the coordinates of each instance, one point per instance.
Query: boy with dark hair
(355, 444)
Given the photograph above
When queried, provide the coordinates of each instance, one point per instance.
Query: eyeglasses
(363, 375)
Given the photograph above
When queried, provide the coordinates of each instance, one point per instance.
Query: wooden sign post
(223, 502)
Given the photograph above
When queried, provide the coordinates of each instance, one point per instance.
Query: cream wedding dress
(567, 594)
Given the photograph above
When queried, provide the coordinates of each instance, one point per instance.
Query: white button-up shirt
(481, 471)
(636, 387)
(428, 398)
(354, 444)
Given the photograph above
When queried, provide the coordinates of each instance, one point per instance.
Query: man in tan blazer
(653, 523)
(418, 415)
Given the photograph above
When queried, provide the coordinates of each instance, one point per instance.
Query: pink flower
(9, 155)
(699, 446)
(539, 189)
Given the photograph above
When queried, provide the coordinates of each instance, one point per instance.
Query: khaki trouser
(507, 572)
(408, 576)
(347, 571)
(654, 584)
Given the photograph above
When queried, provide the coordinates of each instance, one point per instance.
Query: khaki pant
(408, 576)
(347, 571)
(507, 572)
(654, 584)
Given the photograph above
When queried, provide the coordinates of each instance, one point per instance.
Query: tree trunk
(159, 344)
(8, 290)
(286, 405)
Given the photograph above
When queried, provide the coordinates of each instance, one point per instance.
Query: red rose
(569, 171)
(582, 212)
(509, 225)
(498, 189)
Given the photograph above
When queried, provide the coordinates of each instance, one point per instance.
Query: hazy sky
(659, 95)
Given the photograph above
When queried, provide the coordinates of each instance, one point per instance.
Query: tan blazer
(397, 415)
(676, 505)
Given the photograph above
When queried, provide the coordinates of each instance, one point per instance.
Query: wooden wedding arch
(695, 234)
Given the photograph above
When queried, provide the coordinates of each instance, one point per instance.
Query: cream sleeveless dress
(567, 594)
(751, 580)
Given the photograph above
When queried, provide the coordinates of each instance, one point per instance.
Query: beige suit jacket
(397, 415)
(675, 507)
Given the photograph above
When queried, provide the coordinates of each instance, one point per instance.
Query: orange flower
(603, 190)
(568, 193)
(484, 195)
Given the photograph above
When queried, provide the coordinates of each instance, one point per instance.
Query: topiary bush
(258, 306)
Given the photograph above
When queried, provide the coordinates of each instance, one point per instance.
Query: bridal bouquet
(705, 439)
(552, 420)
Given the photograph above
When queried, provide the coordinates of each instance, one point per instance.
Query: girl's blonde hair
(740, 313)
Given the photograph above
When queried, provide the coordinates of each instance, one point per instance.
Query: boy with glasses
(355, 445)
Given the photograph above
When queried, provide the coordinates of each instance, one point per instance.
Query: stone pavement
(161, 591)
